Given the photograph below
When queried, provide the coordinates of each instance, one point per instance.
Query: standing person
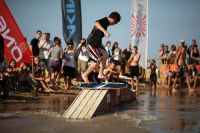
(117, 59)
(69, 64)
(181, 55)
(115, 46)
(190, 48)
(107, 47)
(181, 62)
(134, 67)
(95, 48)
(172, 54)
(55, 55)
(194, 56)
(165, 56)
(83, 56)
(153, 75)
(160, 52)
(44, 46)
(126, 54)
(35, 42)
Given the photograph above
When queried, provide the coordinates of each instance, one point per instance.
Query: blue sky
(169, 20)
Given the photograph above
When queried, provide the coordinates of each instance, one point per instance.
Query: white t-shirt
(83, 55)
(69, 58)
(45, 49)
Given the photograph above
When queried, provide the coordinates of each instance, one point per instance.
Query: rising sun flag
(139, 28)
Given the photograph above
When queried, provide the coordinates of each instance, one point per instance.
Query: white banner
(139, 28)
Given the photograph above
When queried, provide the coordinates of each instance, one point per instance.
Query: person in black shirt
(34, 44)
(96, 50)
(126, 55)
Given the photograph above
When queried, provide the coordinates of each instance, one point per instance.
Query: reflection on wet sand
(165, 111)
(158, 110)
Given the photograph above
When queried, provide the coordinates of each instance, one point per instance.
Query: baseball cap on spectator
(182, 40)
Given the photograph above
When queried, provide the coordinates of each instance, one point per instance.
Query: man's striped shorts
(97, 53)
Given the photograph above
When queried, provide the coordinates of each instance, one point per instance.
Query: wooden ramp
(85, 104)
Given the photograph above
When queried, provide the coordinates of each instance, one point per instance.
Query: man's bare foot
(174, 89)
(47, 91)
(51, 90)
(85, 79)
(102, 77)
(191, 89)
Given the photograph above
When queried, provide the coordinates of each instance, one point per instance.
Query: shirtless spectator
(134, 67)
(111, 72)
(35, 44)
(181, 54)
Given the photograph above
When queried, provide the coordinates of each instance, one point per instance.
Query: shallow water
(43, 115)
(164, 111)
(159, 111)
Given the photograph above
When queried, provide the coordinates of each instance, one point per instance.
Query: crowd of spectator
(51, 62)
(185, 60)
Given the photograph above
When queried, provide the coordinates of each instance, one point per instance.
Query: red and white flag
(15, 44)
(139, 28)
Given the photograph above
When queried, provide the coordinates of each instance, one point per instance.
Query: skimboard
(109, 85)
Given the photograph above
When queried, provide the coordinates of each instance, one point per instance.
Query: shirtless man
(134, 67)
(181, 62)
(181, 55)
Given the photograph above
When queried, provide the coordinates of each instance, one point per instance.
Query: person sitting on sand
(111, 72)
(190, 77)
(37, 74)
(168, 77)
(11, 72)
(24, 78)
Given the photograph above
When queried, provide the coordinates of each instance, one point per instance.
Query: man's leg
(132, 84)
(137, 84)
(104, 56)
(88, 71)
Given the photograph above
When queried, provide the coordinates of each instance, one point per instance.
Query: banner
(139, 28)
(71, 18)
(15, 45)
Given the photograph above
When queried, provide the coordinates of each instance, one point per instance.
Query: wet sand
(45, 124)
(158, 111)
(43, 114)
